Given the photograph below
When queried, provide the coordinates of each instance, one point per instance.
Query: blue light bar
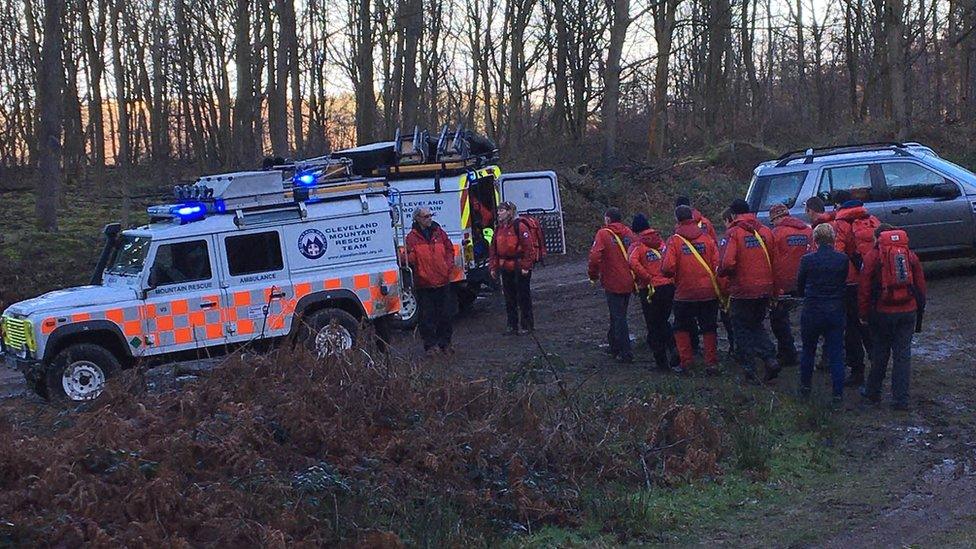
(305, 179)
(189, 212)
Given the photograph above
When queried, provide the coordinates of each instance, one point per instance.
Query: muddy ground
(902, 479)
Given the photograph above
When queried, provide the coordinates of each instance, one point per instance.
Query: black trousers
(518, 298)
(692, 316)
(436, 325)
(656, 312)
(779, 322)
(618, 336)
(751, 339)
(857, 337)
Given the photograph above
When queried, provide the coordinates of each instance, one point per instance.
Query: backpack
(897, 281)
(862, 230)
(534, 228)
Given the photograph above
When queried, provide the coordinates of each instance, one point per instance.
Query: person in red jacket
(430, 254)
(792, 239)
(696, 292)
(512, 254)
(815, 209)
(610, 264)
(746, 257)
(656, 291)
(891, 297)
(854, 228)
(697, 216)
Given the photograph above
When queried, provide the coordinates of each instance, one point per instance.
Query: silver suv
(905, 184)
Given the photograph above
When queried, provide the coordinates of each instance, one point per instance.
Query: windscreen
(780, 188)
(128, 256)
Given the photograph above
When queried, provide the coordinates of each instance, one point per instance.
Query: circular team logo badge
(312, 244)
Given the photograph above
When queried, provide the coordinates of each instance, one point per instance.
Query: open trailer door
(537, 194)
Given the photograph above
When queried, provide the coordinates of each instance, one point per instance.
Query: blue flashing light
(306, 179)
(220, 206)
(189, 212)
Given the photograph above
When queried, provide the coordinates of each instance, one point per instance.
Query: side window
(776, 189)
(182, 262)
(907, 180)
(856, 179)
(253, 253)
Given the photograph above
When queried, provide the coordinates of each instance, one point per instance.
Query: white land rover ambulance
(307, 251)
(454, 176)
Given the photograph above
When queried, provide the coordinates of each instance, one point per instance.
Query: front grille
(16, 333)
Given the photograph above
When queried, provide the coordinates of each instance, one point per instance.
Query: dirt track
(908, 478)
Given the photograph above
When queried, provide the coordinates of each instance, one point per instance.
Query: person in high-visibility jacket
(430, 254)
(656, 291)
(610, 265)
(512, 256)
(691, 259)
(746, 258)
(792, 239)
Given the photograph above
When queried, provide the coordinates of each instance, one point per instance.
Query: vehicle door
(862, 180)
(929, 206)
(182, 307)
(537, 194)
(257, 289)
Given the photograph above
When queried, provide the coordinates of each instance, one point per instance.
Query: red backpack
(863, 232)
(897, 282)
(534, 228)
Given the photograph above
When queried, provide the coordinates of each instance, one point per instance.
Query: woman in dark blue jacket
(822, 281)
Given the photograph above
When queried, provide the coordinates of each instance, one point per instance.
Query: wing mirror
(946, 191)
(151, 283)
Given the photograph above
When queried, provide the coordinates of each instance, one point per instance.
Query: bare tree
(50, 85)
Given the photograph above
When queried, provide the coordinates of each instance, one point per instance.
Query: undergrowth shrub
(284, 448)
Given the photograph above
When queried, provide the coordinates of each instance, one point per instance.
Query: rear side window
(855, 179)
(182, 262)
(782, 188)
(908, 180)
(253, 253)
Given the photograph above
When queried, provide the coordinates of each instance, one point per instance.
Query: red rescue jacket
(846, 241)
(608, 263)
(691, 281)
(432, 259)
(704, 223)
(646, 259)
(826, 217)
(511, 247)
(792, 239)
(744, 260)
(868, 297)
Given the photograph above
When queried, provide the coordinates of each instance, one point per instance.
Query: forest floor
(856, 476)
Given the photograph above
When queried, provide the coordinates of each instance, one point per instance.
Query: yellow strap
(711, 274)
(769, 260)
(623, 250)
(650, 287)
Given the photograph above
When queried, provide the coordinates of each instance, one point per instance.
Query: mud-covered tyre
(330, 332)
(409, 315)
(79, 372)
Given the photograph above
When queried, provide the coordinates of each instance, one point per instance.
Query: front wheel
(78, 373)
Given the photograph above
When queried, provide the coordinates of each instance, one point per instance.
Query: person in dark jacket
(656, 291)
(430, 254)
(512, 255)
(893, 312)
(610, 264)
(822, 283)
(746, 257)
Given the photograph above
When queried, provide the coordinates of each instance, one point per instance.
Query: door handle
(903, 210)
(277, 295)
(208, 305)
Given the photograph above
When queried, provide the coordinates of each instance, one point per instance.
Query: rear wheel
(409, 314)
(330, 332)
(78, 373)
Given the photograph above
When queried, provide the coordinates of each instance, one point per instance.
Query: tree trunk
(895, 12)
(94, 42)
(50, 84)
(611, 78)
(121, 99)
(664, 22)
(365, 96)
(411, 20)
(243, 106)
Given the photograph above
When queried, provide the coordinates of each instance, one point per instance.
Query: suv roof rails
(412, 148)
(808, 155)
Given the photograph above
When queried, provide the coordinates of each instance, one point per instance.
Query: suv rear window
(253, 253)
(781, 188)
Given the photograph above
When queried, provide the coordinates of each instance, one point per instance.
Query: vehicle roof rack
(808, 155)
(411, 149)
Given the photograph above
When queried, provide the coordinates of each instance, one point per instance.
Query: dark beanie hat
(640, 223)
(739, 207)
(683, 213)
